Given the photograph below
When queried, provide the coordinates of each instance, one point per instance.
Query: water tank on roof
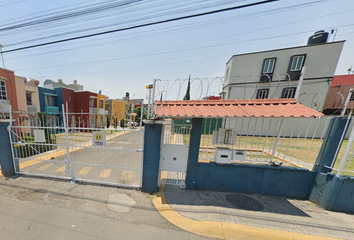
(100, 92)
(318, 38)
(126, 94)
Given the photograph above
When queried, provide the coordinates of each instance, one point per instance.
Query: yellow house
(117, 109)
(101, 107)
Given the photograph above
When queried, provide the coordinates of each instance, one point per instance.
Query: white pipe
(148, 113)
(346, 102)
(276, 141)
(153, 98)
(298, 89)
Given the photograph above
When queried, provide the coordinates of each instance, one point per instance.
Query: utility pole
(153, 97)
(2, 56)
(150, 86)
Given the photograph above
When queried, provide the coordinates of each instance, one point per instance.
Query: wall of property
(321, 61)
(336, 97)
(10, 87)
(255, 179)
(34, 91)
(21, 93)
(333, 193)
(41, 94)
(69, 97)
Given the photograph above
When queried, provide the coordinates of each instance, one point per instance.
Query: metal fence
(286, 141)
(67, 150)
(343, 163)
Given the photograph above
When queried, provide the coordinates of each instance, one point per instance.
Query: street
(33, 208)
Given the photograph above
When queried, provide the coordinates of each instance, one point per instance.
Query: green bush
(123, 122)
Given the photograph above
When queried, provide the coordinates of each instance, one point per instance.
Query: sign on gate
(99, 138)
(39, 136)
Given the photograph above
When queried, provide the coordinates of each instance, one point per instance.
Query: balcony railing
(101, 111)
(4, 106)
(51, 110)
(32, 109)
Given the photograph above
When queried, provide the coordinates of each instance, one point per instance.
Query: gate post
(151, 162)
(6, 158)
(193, 154)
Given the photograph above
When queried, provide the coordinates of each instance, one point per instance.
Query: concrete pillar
(152, 147)
(6, 161)
(193, 155)
(331, 142)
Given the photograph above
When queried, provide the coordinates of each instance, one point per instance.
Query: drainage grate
(244, 202)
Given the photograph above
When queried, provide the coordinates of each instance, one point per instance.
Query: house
(86, 104)
(276, 73)
(338, 93)
(116, 109)
(51, 84)
(8, 93)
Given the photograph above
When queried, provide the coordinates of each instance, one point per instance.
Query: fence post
(193, 153)
(151, 162)
(6, 157)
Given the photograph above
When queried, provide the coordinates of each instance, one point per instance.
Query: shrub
(123, 121)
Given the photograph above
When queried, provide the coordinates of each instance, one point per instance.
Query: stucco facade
(248, 76)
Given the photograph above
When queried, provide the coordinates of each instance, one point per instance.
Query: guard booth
(254, 136)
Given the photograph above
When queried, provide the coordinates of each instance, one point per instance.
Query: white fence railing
(32, 109)
(297, 144)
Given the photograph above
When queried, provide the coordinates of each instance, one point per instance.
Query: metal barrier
(61, 146)
(343, 164)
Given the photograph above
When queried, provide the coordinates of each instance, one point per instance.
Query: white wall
(245, 70)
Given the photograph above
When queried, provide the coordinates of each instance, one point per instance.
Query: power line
(142, 25)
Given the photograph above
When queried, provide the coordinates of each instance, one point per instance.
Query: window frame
(29, 96)
(268, 75)
(99, 103)
(287, 89)
(48, 100)
(3, 90)
(263, 91)
(297, 67)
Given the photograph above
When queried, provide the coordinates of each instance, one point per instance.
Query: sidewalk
(223, 215)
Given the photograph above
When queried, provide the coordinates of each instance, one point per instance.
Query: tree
(188, 93)
(138, 114)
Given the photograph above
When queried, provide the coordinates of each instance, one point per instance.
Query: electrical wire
(142, 25)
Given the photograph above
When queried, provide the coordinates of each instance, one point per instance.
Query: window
(267, 70)
(92, 102)
(268, 65)
(297, 62)
(3, 95)
(262, 93)
(29, 98)
(288, 92)
(100, 103)
(49, 100)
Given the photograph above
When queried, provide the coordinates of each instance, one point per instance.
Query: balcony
(51, 110)
(4, 106)
(32, 109)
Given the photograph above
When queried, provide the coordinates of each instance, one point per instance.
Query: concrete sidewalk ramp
(226, 215)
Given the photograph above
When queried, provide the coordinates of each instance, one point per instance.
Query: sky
(127, 61)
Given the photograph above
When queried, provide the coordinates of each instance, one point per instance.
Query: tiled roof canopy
(234, 108)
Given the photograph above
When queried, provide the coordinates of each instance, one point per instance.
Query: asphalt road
(113, 163)
(43, 209)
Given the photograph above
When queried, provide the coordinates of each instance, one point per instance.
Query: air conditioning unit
(223, 155)
(224, 137)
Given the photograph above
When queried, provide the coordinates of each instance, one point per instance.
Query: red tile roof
(234, 108)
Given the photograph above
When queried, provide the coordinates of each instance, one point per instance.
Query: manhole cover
(244, 202)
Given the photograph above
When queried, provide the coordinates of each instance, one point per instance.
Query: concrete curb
(223, 230)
